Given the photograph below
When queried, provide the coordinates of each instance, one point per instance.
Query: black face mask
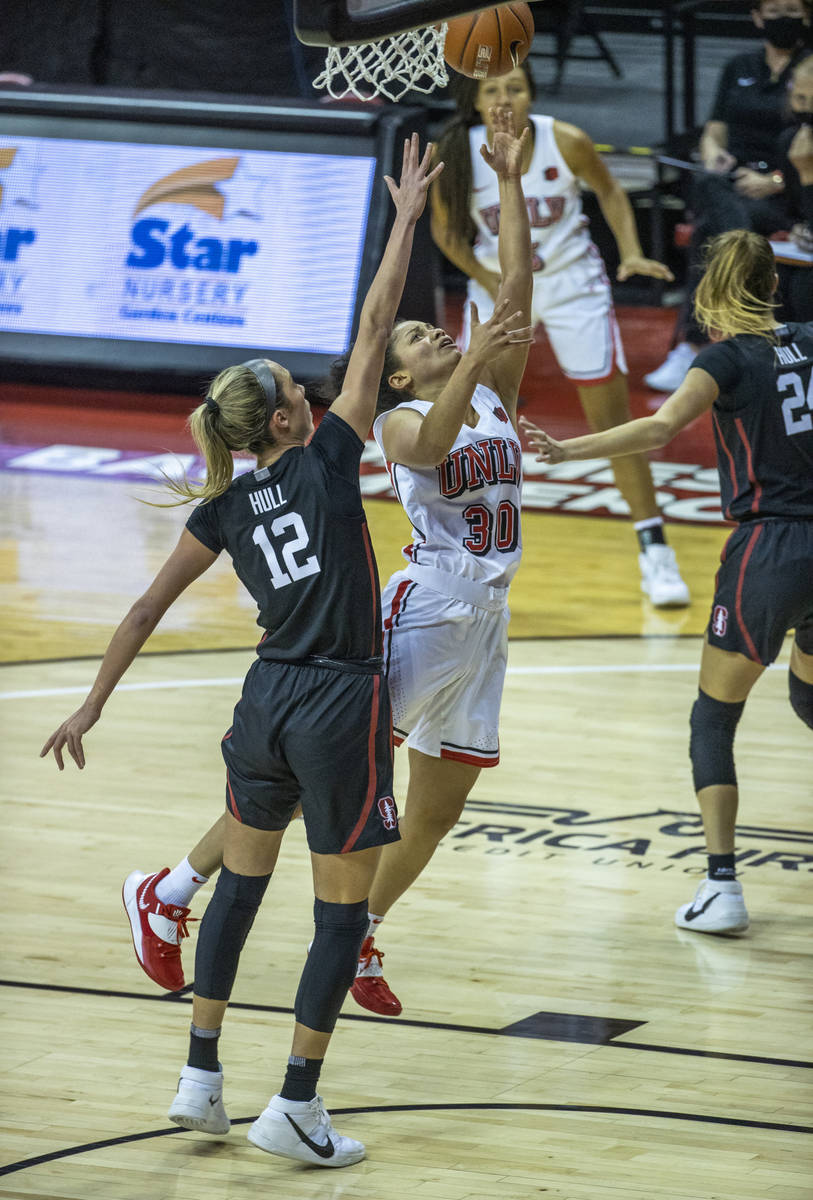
(802, 118)
(783, 32)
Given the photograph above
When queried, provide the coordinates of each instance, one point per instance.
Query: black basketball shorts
(764, 588)
(316, 736)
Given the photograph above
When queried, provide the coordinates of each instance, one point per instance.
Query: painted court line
(234, 680)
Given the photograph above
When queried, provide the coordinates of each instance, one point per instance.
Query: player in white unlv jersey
(572, 294)
(466, 546)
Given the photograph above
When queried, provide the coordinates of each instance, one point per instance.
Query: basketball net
(405, 62)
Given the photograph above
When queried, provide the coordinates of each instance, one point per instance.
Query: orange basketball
(488, 43)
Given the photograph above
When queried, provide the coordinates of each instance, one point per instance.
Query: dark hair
(454, 182)
(324, 391)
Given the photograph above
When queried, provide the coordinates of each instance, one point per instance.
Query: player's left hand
(409, 194)
(70, 734)
(548, 450)
(636, 264)
(505, 155)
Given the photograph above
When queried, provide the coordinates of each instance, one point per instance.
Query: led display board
(163, 248)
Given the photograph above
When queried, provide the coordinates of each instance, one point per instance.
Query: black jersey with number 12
(298, 538)
(763, 422)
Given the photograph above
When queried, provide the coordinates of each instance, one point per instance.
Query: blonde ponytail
(735, 294)
(233, 417)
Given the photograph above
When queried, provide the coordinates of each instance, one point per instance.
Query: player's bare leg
(726, 679)
(437, 792)
(606, 405)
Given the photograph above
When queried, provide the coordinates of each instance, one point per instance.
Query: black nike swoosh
(691, 913)
(213, 1100)
(323, 1151)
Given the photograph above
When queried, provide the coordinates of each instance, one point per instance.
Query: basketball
(489, 43)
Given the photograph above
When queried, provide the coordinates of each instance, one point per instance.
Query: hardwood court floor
(560, 1037)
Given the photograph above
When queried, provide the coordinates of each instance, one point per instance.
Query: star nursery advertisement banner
(181, 244)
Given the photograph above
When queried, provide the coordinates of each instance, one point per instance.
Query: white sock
(373, 922)
(180, 885)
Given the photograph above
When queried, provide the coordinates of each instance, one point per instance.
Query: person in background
(571, 293)
(796, 279)
(743, 186)
(757, 380)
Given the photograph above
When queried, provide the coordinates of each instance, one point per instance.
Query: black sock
(721, 866)
(203, 1049)
(650, 534)
(301, 1078)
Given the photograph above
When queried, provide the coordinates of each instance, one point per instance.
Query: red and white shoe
(369, 988)
(157, 929)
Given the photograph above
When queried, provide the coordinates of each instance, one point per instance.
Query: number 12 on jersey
(288, 550)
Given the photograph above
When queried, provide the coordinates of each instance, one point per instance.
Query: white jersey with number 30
(465, 513)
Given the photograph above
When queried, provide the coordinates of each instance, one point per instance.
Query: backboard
(351, 22)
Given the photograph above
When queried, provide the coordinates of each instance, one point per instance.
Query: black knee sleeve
(332, 962)
(229, 916)
(801, 698)
(711, 746)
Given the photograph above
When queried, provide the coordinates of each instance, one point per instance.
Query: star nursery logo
(19, 178)
(221, 187)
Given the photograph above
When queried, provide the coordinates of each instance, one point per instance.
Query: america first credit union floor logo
(646, 839)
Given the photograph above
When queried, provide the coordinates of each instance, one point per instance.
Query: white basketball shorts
(575, 306)
(445, 660)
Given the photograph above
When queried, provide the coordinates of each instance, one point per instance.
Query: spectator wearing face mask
(743, 186)
(796, 144)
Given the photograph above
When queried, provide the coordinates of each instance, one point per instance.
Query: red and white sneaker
(157, 929)
(369, 988)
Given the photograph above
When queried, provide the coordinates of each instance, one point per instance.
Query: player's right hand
(548, 450)
(70, 734)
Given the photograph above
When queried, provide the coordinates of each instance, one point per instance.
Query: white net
(406, 62)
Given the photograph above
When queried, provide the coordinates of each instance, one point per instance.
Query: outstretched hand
(547, 449)
(498, 333)
(505, 154)
(636, 264)
(70, 734)
(409, 195)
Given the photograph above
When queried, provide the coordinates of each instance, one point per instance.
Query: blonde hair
(238, 420)
(735, 294)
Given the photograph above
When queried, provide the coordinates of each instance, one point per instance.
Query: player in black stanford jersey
(313, 725)
(758, 383)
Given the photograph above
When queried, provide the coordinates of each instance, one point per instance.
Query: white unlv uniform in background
(446, 613)
(572, 296)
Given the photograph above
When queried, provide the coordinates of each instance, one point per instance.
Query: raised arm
(695, 396)
(188, 560)
(514, 246)
(357, 400)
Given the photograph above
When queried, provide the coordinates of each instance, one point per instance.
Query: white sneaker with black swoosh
(198, 1103)
(718, 907)
(301, 1129)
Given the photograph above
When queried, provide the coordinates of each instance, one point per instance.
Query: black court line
(250, 648)
(597, 1109)
(555, 1029)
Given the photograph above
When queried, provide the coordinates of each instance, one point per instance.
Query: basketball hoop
(391, 67)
